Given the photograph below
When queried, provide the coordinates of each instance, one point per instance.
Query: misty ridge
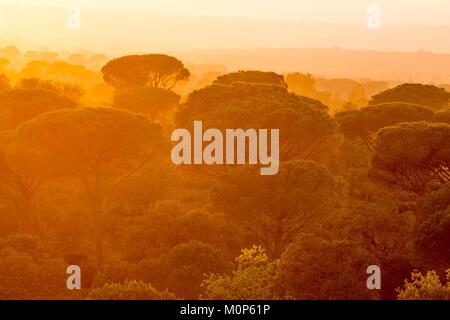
(148, 31)
(420, 66)
(392, 53)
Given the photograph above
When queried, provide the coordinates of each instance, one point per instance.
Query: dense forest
(86, 179)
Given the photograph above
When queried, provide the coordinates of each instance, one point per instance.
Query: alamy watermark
(74, 280)
(373, 17)
(374, 280)
(235, 146)
(73, 21)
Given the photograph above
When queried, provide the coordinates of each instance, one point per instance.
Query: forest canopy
(86, 179)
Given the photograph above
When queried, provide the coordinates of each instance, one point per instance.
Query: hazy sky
(428, 12)
(161, 25)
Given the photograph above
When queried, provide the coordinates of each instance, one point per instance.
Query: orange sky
(349, 11)
(159, 25)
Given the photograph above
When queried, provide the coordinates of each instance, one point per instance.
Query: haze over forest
(100, 198)
(326, 48)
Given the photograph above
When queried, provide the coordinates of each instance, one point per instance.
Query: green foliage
(253, 279)
(129, 290)
(425, 287)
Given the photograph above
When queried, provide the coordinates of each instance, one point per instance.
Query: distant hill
(334, 62)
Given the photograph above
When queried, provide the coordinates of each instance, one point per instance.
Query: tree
(77, 58)
(129, 290)
(71, 91)
(305, 85)
(253, 279)
(302, 84)
(31, 55)
(373, 87)
(48, 56)
(113, 270)
(4, 83)
(151, 185)
(168, 224)
(3, 63)
(319, 268)
(29, 271)
(433, 227)
(101, 148)
(76, 74)
(336, 92)
(186, 264)
(60, 71)
(358, 96)
(361, 125)
(22, 174)
(433, 236)
(276, 209)
(11, 52)
(25, 104)
(35, 68)
(306, 129)
(425, 287)
(411, 155)
(382, 227)
(153, 70)
(148, 101)
(425, 95)
(442, 116)
(252, 77)
(98, 58)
